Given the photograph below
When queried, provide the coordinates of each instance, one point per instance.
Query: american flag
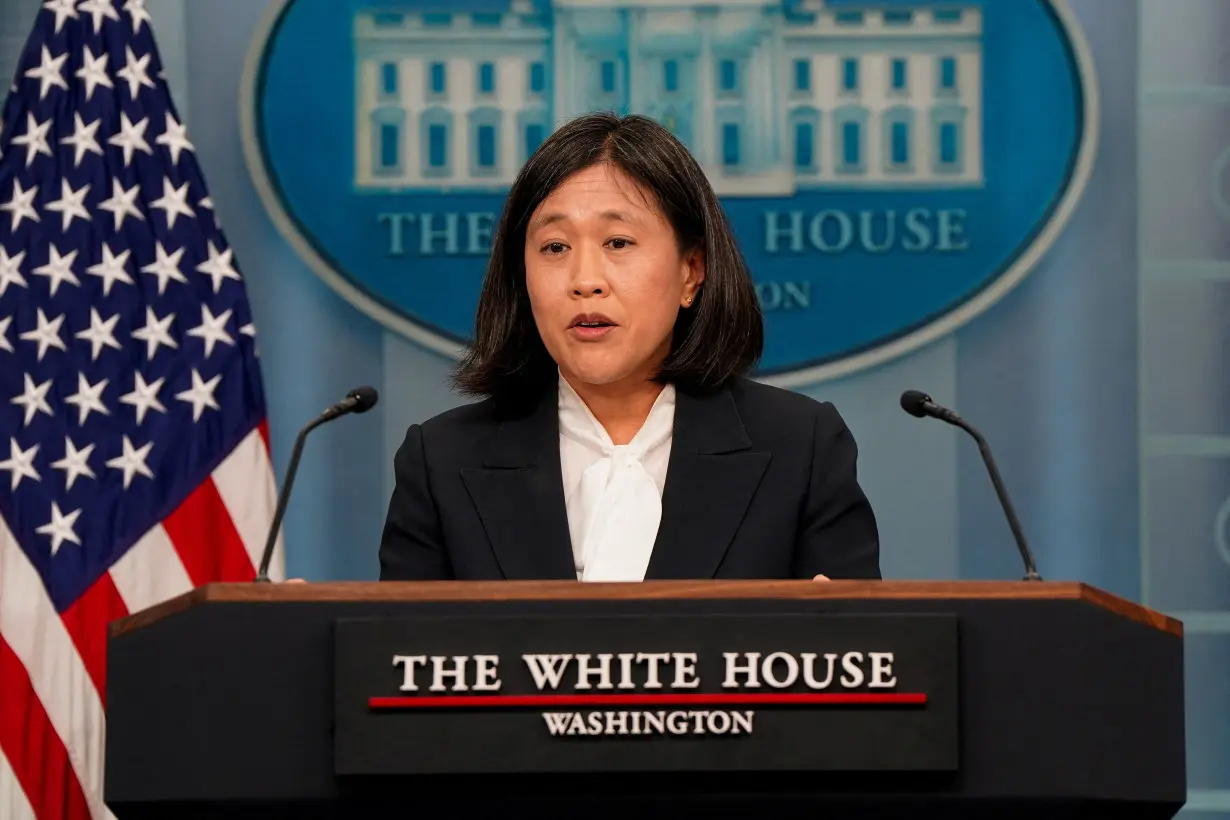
(134, 456)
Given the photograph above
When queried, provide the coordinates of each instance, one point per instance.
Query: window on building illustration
(388, 79)
(849, 74)
(670, 75)
(898, 17)
(802, 75)
(849, 18)
(437, 146)
(728, 75)
(851, 147)
(899, 75)
(484, 19)
(486, 78)
(390, 145)
(439, 78)
(486, 146)
(388, 19)
(899, 149)
(948, 74)
(730, 144)
(535, 133)
(437, 19)
(949, 144)
(947, 15)
(538, 78)
(607, 71)
(804, 145)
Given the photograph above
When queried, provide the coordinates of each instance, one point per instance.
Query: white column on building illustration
(412, 78)
(969, 75)
(767, 104)
(641, 81)
(921, 78)
(776, 118)
(364, 108)
(706, 116)
(755, 91)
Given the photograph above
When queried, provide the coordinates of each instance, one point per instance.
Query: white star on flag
(20, 463)
(100, 333)
(75, 464)
(134, 73)
(166, 267)
(144, 397)
(123, 203)
(59, 269)
(10, 270)
(60, 528)
(155, 332)
(200, 395)
(21, 206)
(46, 335)
(98, 9)
(132, 461)
(49, 73)
(83, 139)
(131, 138)
(88, 399)
(34, 139)
(71, 204)
(93, 72)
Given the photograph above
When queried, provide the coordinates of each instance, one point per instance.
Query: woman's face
(606, 278)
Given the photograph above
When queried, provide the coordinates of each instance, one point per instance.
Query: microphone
(919, 404)
(359, 400)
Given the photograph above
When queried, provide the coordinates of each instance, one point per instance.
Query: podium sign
(669, 692)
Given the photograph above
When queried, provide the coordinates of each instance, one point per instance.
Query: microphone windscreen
(365, 398)
(913, 402)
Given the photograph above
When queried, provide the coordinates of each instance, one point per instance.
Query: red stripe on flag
(263, 428)
(86, 621)
(34, 750)
(206, 539)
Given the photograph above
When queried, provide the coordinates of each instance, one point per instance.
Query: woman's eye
(554, 247)
(620, 244)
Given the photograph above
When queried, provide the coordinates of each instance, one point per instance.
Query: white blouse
(613, 493)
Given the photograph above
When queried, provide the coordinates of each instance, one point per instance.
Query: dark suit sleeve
(838, 536)
(412, 545)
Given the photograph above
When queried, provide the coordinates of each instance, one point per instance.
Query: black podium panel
(1060, 708)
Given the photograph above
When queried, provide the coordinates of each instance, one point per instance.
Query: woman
(617, 438)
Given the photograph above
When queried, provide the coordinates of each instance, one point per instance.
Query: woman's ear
(693, 274)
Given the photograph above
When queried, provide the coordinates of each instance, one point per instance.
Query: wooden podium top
(573, 590)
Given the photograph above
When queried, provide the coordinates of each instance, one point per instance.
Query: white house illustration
(771, 97)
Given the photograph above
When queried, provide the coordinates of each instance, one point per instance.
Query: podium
(660, 699)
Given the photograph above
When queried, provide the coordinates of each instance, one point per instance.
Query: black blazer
(760, 483)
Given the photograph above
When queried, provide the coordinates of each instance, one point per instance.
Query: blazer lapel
(519, 495)
(710, 479)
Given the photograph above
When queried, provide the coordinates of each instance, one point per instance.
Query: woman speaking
(617, 437)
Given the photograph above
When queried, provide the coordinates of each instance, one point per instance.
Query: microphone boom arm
(1031, 572)
(359, 400)
(283, 497)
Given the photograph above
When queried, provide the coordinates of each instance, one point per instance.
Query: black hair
(720, 336)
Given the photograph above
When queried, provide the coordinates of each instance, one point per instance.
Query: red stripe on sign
(34, 750)
(719, 699)
(206, 539)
